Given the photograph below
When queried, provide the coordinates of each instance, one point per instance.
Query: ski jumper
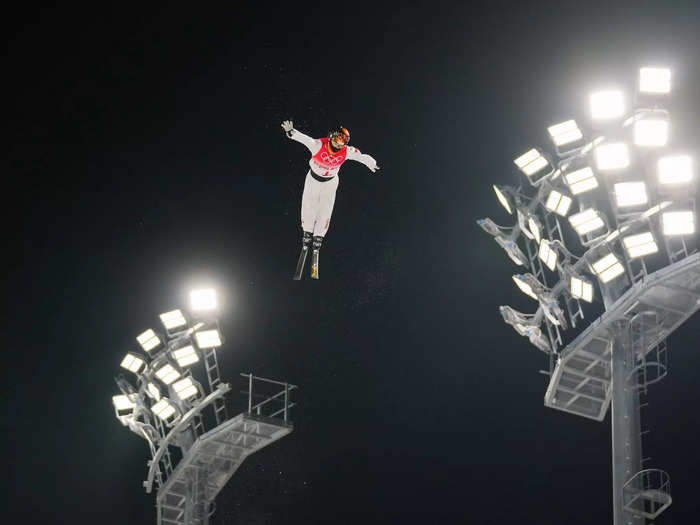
(322, 180)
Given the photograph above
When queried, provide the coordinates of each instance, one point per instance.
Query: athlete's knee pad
(318, 240)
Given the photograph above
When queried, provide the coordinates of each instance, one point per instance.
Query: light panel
(547, 255)
(208, 339)
(630, 194)
(581, 180)
(612, 156)
(522, 222)
(608, 267)
(524, 287)
(533, 224)
(132, 363)
(581, 289)
(676, 169)
(640, 244)
(586, 221)
(163, 409)
(651, 132)
(503, 199)
(185, 388)
(565, 133)
(654, 80)
(203, 299)
(558, 203)
(531, 162)
(606, 105)
(167, 373)
(122, 402)
(185, 356)
(148, 340)
(678, 222)
(153, 391)
(173, 319)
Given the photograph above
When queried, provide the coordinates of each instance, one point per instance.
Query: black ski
(301, 262)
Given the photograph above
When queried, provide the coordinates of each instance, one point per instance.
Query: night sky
(145, 155)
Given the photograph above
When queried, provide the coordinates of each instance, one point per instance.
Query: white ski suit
(322, 180)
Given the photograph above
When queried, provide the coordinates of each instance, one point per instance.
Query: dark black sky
(145, 153)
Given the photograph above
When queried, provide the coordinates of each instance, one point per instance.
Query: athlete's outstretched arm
(367, 160)
(312, 144)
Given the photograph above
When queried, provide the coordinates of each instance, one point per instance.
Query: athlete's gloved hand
(287, 126)
(374, 168)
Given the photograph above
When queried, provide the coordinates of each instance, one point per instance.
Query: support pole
(626, 428)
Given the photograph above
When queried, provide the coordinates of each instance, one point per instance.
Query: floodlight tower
(180, 410)
(635, 223)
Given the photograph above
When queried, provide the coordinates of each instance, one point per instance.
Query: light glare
(173, 319)
(607, 105)
(654, 80)
(203, 300)
(586, 221)
(565, 133)
(675, 170)
(651, 132)
(630, 194)
(678, 222)
(502, 199)
(613, 156)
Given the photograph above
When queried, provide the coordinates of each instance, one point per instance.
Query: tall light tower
(177, 405)
(635, 223)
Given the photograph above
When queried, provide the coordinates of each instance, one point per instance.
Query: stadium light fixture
(123, 405)
(639, 244)
(630, 194)
(132, 363)
(612, 156)
(185, 388)
(512, 249)
(565, 133)
(675, 169)
(581, 180)
(520, 281)
(547, 255)
(607, 105)
(185, 356)
(581, 289)
(153, 391)
(522, 222)
(173, 320)
(167, 373)
(531, 162)
(504, 198)
(203, 300)
(164, 409)
(148, 340)
(608, 267)
(678, 223)
(654, 80)
(208, 339)
(558, 203)
(651, 130)
(586, 221)
(535, 227)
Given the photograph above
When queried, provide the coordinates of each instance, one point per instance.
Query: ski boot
(314, 256)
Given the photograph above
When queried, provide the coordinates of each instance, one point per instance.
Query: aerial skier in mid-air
(327, 155)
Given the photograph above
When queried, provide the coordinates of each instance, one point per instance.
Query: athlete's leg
(309, 203)
(325, 208)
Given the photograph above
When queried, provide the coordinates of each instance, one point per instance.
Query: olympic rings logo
(332, 160)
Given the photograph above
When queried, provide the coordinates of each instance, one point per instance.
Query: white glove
(374, 168)
(287, 126)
